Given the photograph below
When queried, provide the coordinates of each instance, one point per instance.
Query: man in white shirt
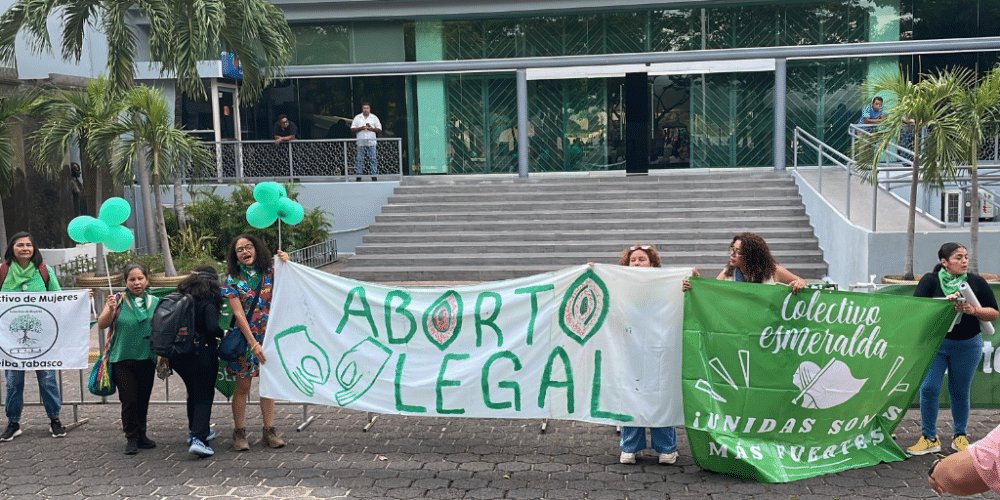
(366, 126)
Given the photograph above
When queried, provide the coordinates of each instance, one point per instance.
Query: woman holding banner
(24, 271)
(633, 439)
(199, 369)
(131, 356)
(248, 290)
(750, 261)
(959, 352)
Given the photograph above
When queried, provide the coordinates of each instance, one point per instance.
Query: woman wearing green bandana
(959, 352)
(133, 363)
(24, 274)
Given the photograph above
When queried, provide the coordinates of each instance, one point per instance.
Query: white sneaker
(668, 458)
(627, 458)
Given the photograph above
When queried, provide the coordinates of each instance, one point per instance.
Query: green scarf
(21, 277)
(139, 306)
(950, 282)
(250, 275)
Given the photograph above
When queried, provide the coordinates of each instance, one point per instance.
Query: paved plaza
(401, 457)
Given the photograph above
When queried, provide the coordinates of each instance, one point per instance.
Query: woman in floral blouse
(251, 274)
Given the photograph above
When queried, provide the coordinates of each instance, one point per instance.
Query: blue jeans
(960, 358)
(368, 151)
(48, 387)
(634, 439)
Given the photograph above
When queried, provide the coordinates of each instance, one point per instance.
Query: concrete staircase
(486, 228)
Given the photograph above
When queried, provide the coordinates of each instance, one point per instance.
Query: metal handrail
(317, 255)
(896, 168)
(301, 159)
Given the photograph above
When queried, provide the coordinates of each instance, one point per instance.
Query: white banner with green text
(595, 343)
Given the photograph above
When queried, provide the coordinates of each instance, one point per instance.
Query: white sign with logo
(44, 330)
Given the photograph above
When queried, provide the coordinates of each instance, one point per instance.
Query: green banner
(985, 391)
(779, 387)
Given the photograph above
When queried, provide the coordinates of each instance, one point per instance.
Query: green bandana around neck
(950, 282)
(141, 312)
(250, 275)
(21, 276)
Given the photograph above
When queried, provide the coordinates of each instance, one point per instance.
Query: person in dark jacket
(199, 369)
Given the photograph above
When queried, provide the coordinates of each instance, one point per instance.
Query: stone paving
(401, 457)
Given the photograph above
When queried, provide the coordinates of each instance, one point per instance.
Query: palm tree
(937, 146)
(979, 104)
(147, 133)
(181, 33)
(13, 107)
(71, 119)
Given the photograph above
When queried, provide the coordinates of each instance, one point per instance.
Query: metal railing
(316, 255)
(895, 168)
(312, 159)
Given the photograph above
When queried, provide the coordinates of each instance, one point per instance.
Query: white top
(366, 137)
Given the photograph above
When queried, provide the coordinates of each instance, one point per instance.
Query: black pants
(134, 380)
(198, 370)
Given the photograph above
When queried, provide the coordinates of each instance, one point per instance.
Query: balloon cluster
(106, 229)
(273, 203)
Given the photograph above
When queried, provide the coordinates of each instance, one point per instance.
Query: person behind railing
(133, 363)
(872, 113)
(27, 273)
(199, 369)
(366, 125)
(249, 283)
(633, 439)
(284, 130)
(959, 352)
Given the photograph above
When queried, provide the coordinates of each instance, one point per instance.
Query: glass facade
(466, 123)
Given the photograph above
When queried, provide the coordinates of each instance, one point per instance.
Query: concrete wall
(854, 253)
(352, 206)
(844, 244)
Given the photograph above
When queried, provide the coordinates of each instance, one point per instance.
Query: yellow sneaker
(960, 443)
(925, 446)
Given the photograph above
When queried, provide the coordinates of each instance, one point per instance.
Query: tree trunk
(911, 214)
(179, 198)
(168, 260)
(974, 214)
(147, 204)
(3, 230)
(100, 269)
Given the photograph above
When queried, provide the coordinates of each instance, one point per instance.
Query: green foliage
(225, 219)
(180, 34)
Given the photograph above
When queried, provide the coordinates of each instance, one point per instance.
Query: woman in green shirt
(133, 363)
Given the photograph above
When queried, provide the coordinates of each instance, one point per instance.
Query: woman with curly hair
(750, 261)
(248, 290)
(664, 439)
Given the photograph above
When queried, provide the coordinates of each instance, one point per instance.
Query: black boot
(132, 446)
(145, 443)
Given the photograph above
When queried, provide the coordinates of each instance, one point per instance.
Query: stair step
(487, 228)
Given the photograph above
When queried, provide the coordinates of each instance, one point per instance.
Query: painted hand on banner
(825, 387)
(305, 362)
(359, 367)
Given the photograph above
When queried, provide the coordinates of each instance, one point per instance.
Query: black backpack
(173, 333)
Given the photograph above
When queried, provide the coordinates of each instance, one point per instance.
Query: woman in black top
(200, 368)
(959, 352)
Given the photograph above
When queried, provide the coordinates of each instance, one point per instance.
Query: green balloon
(119, 239)
(260, 215)
(291, 212)
(96, 231)
(281, 190)
(77, 228)
(267, 192)
(114, 211)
